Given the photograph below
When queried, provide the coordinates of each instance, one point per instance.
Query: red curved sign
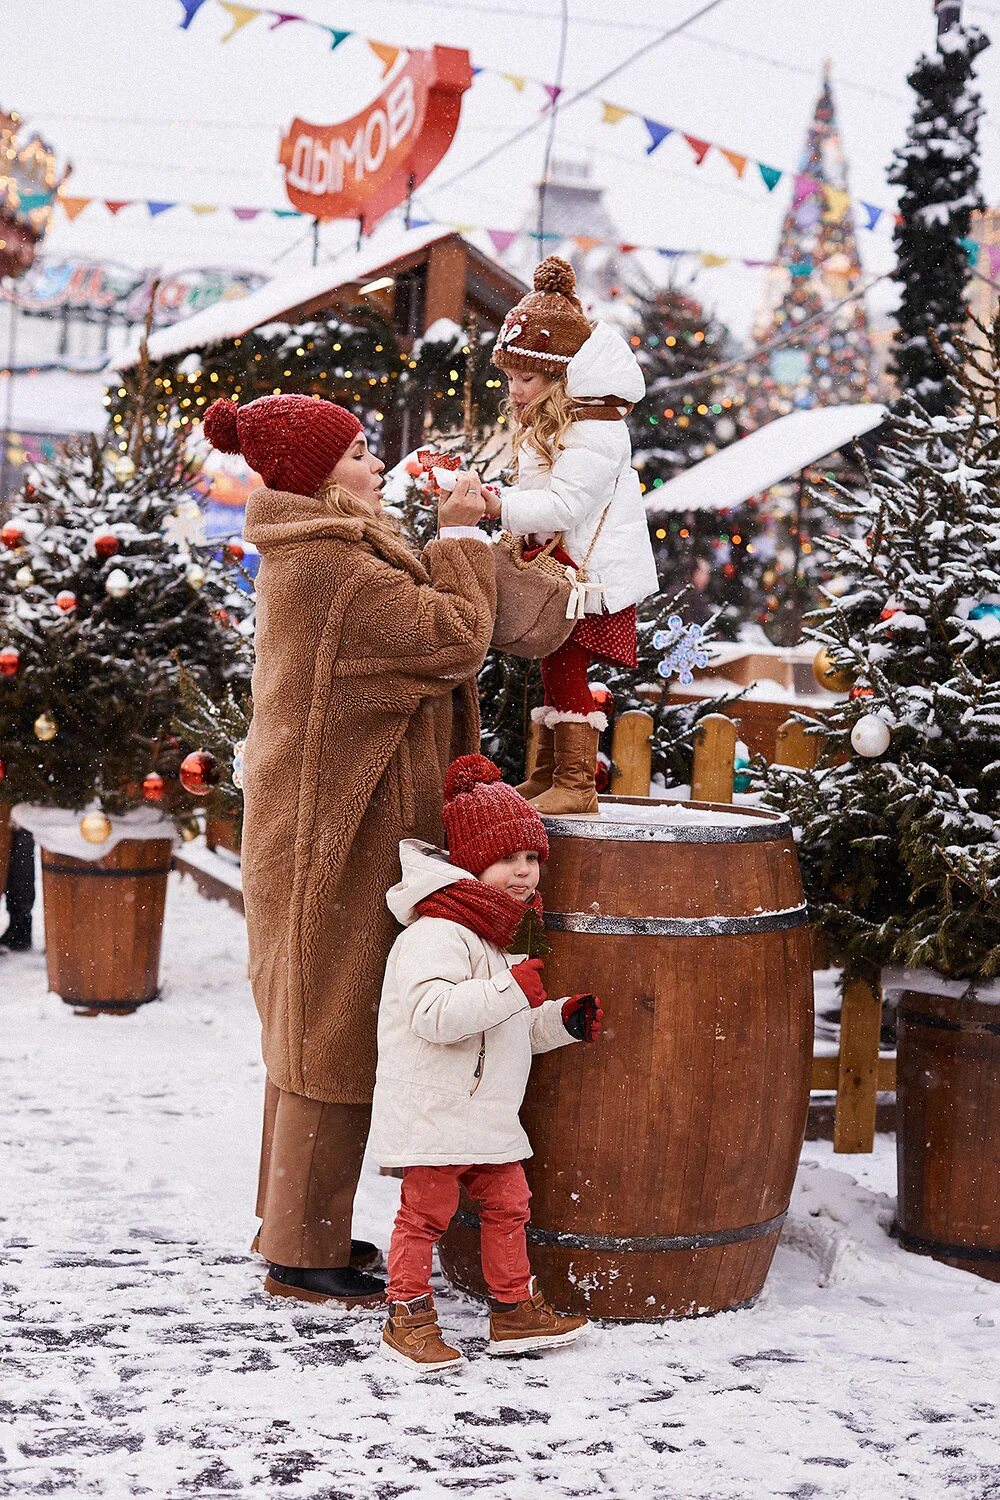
(362, 167)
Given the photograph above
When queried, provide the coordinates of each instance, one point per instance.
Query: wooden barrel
(665, 1154)
(948, 1130)
(104, 924)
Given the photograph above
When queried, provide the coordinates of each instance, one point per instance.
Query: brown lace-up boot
(516, 1327)
(411, 1336)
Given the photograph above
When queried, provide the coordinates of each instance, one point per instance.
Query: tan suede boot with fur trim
(572, 789)
(543, 767)
(411, 1337)
(530, 1325)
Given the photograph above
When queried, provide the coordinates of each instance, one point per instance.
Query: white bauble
(117, 583)
(870, 736)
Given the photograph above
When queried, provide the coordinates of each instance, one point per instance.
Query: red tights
(564, 678)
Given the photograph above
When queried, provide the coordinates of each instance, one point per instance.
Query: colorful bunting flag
(837, 203)
(971, 248)
(246, 215)
(71, 207)
(611, 114)
(240, 15)
(735, 160)
(155, 209)
(708, 260)
(805, 187)
(586, 242)
(30, 201)
(658, 134)
(873, 214)
(336, 37)
(769, 175)
(282, 18)
(516, 80)
(287, 213)
(553, 90)
(116, 206)
(386, 55)
(204, 208)
(502, 239)
(700, 148)
(191, 9)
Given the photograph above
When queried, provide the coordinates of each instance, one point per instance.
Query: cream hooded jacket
(594, 467)
(455, 1035)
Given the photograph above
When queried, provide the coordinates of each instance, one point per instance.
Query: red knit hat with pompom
(485, 819)
(293, 442)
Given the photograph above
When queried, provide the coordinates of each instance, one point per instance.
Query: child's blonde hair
(338, 500)
(543, 424)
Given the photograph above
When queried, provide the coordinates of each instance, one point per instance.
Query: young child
(459, 1020)
(571, 387)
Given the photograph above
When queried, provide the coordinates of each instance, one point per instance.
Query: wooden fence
(857, 1073)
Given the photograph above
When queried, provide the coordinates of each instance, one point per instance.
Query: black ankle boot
(18, 935)
(330, 1284)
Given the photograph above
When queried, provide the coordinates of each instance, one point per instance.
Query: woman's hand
(465, 506)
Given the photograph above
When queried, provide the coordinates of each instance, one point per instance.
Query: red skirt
(610, 637)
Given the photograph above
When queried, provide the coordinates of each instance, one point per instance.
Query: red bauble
(235, 550)
(106, 544)
(222, 616)
(66, 601)
(728, 570)
(12, 536)
(603, 700)
(861, 692)
(10, 660)
(154, 787)
(199, 773)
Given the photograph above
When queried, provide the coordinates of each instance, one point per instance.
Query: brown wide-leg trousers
(310, 1162)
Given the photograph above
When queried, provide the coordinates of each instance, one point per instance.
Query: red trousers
(427, 1206)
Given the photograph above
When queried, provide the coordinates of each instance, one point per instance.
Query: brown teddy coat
(364, 690)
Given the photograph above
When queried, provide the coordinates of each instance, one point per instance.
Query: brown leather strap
(601, 409)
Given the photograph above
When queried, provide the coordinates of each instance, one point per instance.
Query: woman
(364, 690)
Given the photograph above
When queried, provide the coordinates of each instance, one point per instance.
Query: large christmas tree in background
(938, 172)
(900, 841)
(678, 424)
(815, 287)
(106, 596)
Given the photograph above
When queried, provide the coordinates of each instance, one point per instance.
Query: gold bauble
(190, 830)
(826, 672)
(45, 728)
(95, 827)
(24, 577)
(195, 575)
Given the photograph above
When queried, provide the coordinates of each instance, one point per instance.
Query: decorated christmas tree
(107, 594)
(898, 825)
(938, 172)
(813, 330)
(677, 425)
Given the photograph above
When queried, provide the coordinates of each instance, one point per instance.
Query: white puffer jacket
(595, 466)
(455, 1035)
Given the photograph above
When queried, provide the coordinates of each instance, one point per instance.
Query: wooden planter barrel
(104, 924)
(948, 1130)
(665, 1154)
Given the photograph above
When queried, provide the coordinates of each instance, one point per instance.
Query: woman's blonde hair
(338, 500)
(543, 424)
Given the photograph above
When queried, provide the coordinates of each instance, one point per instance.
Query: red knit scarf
(490, 914)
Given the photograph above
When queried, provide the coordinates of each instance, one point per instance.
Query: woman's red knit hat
(293, 442)
(485, 819)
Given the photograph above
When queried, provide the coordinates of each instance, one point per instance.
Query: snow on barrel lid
(641, 820)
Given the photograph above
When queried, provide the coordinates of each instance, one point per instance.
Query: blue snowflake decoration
(682, 644)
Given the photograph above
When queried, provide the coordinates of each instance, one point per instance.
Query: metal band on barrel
(97, 873)
(945, 1023)
(770, 921)
(640, 1244)
(936, 1247)
(668, 833)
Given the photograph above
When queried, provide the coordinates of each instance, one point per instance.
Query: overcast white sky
(144, 109)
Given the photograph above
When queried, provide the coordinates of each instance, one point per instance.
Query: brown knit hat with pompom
(547, 327)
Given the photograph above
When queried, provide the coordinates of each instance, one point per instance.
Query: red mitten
(528, 974)
(583, 1017)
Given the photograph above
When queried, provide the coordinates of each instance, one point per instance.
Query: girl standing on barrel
(364, 690)
(571, 387)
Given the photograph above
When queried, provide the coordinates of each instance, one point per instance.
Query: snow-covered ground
(141, 1357)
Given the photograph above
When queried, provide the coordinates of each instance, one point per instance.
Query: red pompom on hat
(486, 819)
(293, 442)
